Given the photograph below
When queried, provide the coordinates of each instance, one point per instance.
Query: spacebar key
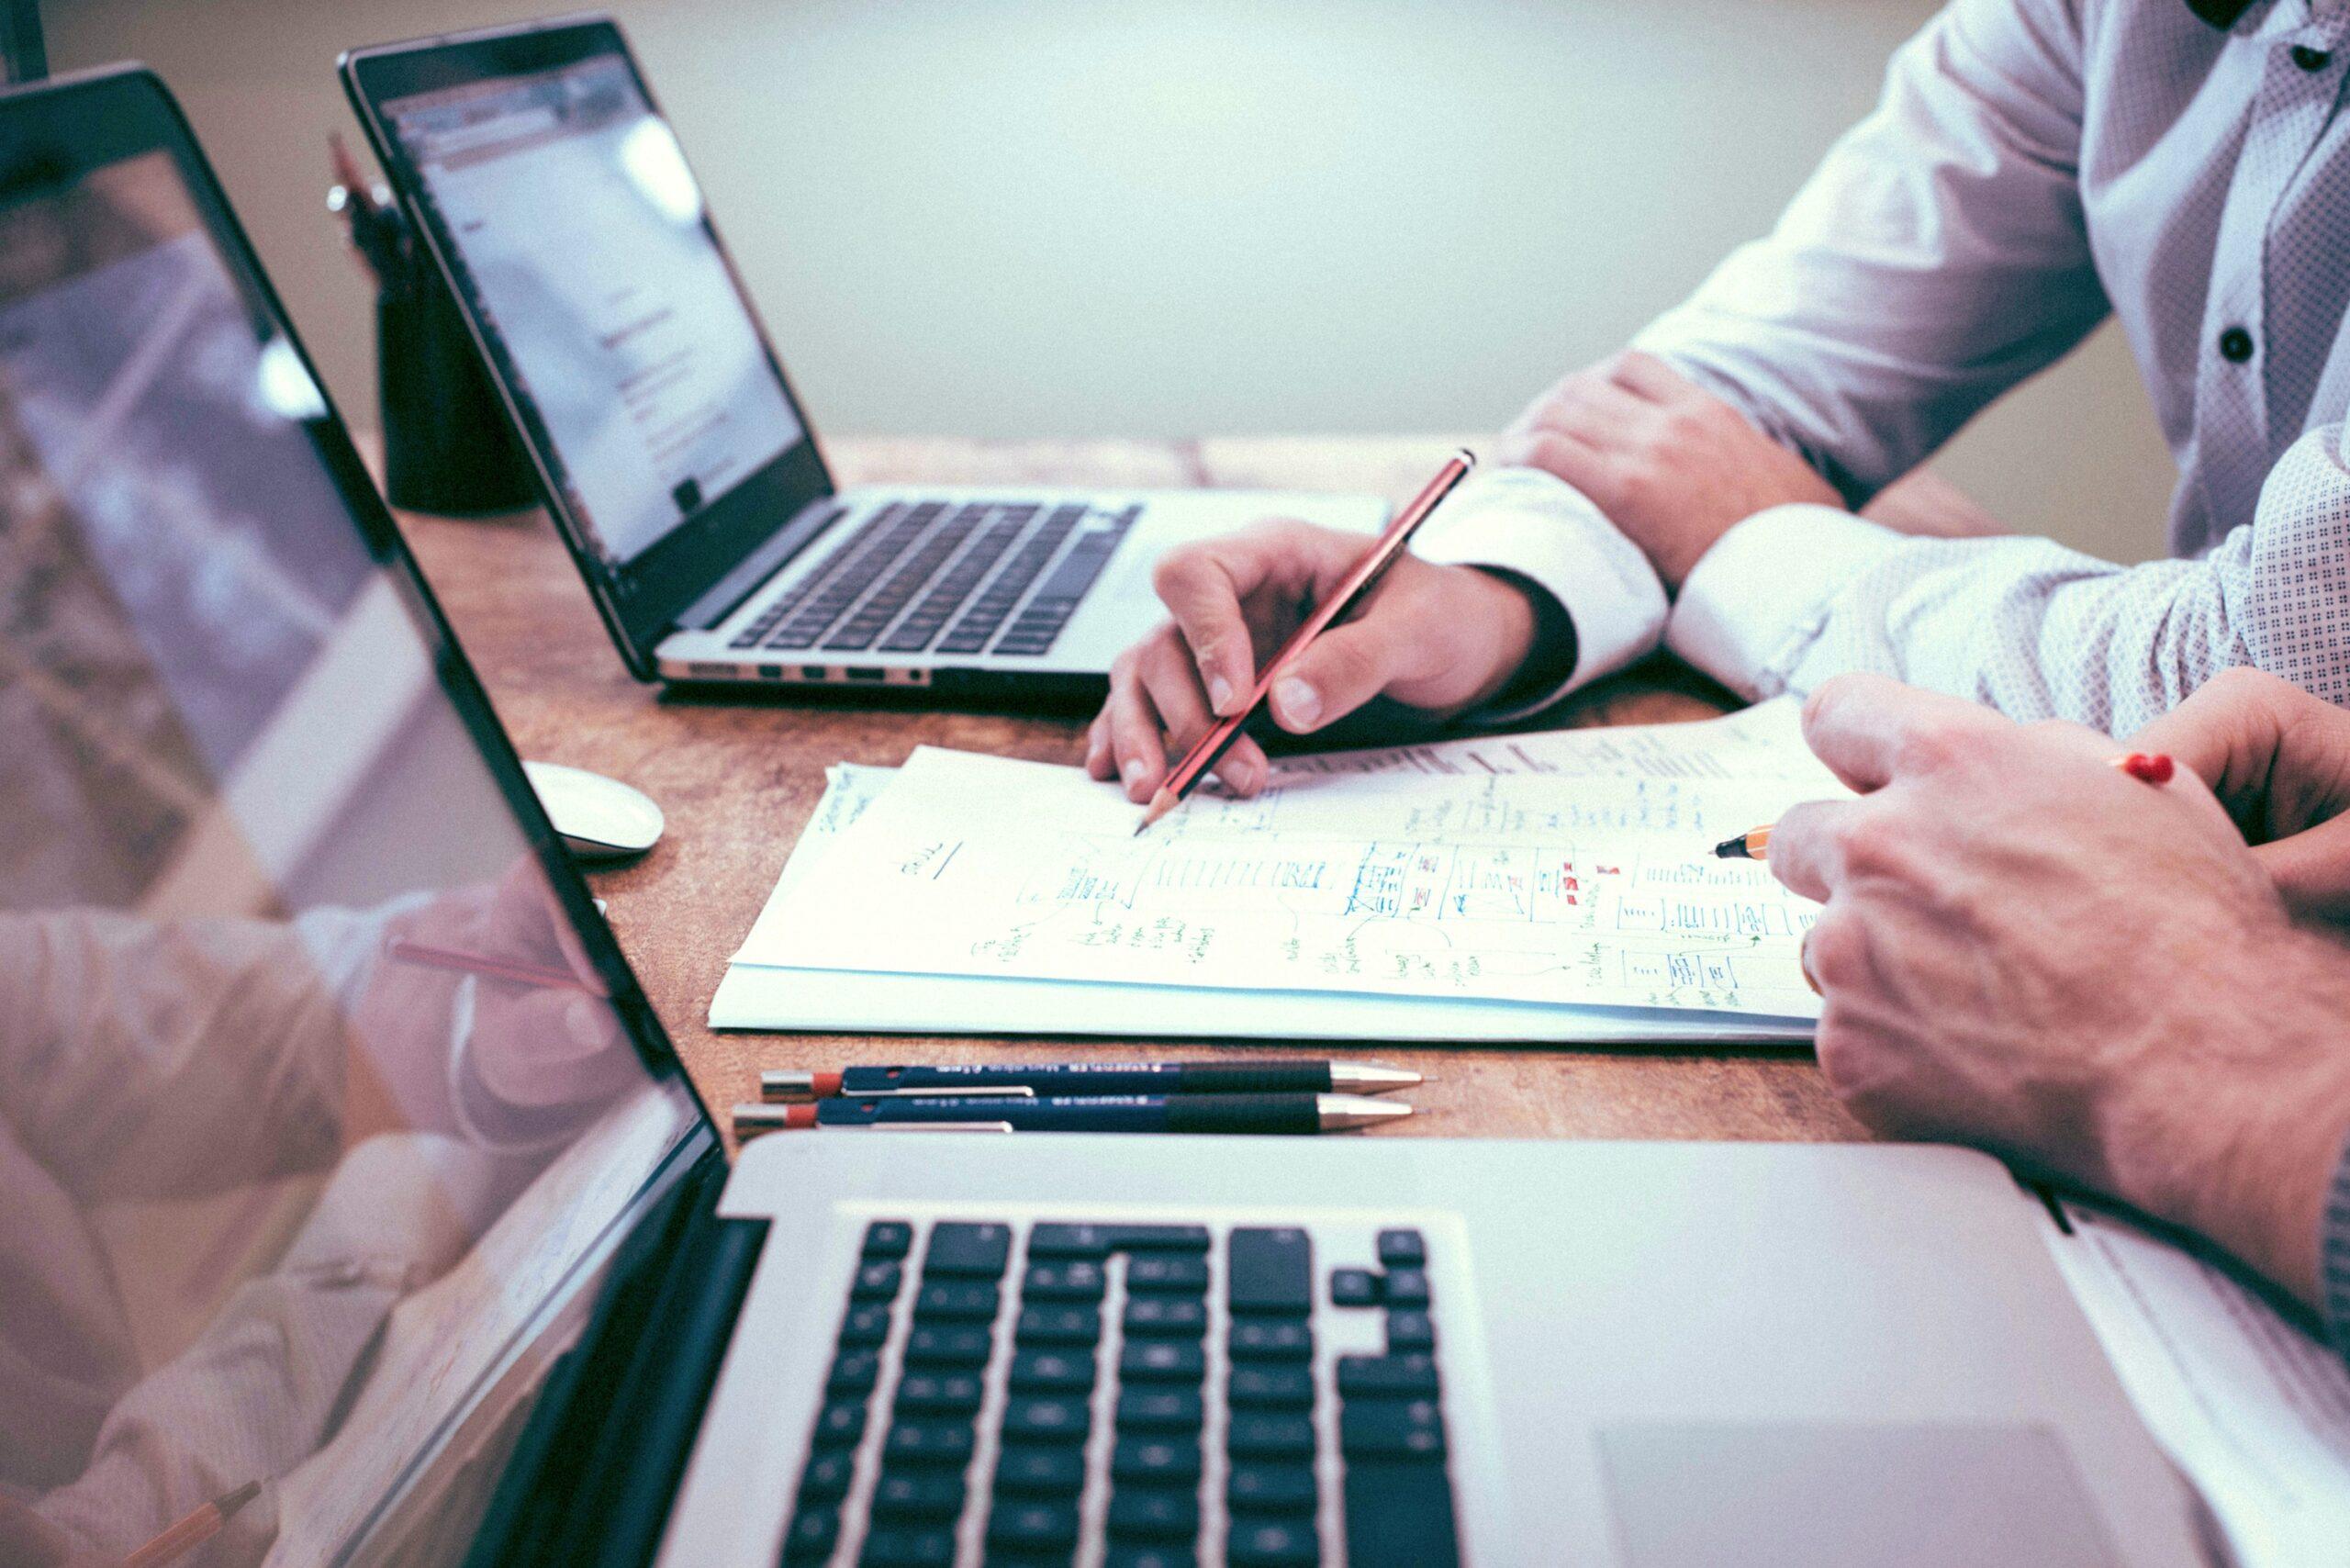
(1400, 1515)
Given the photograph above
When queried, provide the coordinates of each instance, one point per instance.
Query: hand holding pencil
(1432, 640)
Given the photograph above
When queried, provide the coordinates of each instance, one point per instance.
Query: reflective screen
(310, 1101)
(583, 246)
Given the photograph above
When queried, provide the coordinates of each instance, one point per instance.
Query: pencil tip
(1732, 849)
(230, 1502)
(1160, 804)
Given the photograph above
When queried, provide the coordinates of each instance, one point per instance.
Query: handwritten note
(1567, 869)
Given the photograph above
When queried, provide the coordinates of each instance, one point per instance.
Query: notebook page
(1590, 883)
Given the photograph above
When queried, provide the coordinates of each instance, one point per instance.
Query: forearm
(2245, 1143)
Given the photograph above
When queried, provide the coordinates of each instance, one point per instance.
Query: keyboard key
(970, 1301)
(866, 1324)
(1159, 1410)
(1410, 1331)
(939, 1393)
(977, 1250)
(826, 1478)
(1154, 1513)
(948, 1345)
(1387, 1377)
(1273, 1544)
(1126, 1556)
(1269, 1270)
(1257, 1434)
(1398, 1516)
(1391, 1429)
(908, 1549)
(1271, 1339)
(1166, 1317)
(1077, 1280)
(1405, 1288)
(811, 1536)
(1063, 1240)
(875, 1281)
(1403, 1250)
(1057, 1323)
(1161, 1461)
(1053, 1470)
(853, 1372)
(1051, 1372)
(1271, 1387)
(1033, 1525)
(1353, 1287)
(839, 1423)
(1167, 1274)
(903, 1495)
(1042, 1420)
(925, 1442)
(886, 1239)
(1162, 1360)
(1271, 1489)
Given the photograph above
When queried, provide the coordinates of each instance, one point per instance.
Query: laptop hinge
(593, 1476)
(727, 594)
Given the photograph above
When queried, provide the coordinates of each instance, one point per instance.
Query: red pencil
(426, 955)
(1350, 593)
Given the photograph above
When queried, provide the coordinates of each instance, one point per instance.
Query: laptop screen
(315, 1105)
(582, 249)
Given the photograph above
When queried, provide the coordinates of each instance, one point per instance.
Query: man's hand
(2278, 758)
(1673, 467)
(2027, 949)
(1438, 639)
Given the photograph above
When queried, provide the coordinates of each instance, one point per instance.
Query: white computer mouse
(599, 818)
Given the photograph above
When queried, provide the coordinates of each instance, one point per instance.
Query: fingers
(1155, 713)
(1869, 730)
(1344, 668)
(1806, 847)
(2277, 757)
(1646, 376)
(2312, 870)
(1208, 588)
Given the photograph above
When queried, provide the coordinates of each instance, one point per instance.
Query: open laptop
(315, 1205)
(670, 449)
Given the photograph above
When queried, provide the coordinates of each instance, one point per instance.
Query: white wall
(1088, 217)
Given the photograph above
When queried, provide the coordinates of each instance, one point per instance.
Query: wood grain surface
(738, 777)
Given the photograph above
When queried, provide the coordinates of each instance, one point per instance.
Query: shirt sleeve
(1938, 256)
(1534, 525)
(1799, 593)
(2334, 1257)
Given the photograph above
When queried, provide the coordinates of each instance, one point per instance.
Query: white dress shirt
(2032, 165)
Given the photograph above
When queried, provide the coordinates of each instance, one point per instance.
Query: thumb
(1344, 668)
(2312, 870)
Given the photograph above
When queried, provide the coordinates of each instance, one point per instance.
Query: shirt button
(2235, 346)
(2310, 59)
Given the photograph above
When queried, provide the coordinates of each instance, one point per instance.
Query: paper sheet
(1568, 868)
(2254, 1411)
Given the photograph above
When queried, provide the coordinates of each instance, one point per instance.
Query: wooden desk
(738, 778)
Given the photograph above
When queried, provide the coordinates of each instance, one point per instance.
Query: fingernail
(1219, 694)
(1135, 769)
(1300, 703)
(1248, 776)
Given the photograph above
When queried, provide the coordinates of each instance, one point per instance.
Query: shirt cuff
(2334, 1257)
(1759, 596)
(1534, 525)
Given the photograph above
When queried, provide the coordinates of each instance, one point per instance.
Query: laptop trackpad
(1839, 1497)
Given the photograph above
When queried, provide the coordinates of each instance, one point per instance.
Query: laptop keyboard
(924, 573)
(1133, 1392)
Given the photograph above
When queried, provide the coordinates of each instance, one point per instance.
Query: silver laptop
(668, 445)
(355, 1210)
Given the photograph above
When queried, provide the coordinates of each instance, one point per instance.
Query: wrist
(1533, 638)
(2235, 1126)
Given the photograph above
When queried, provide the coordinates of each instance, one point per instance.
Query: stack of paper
(1534, 888)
